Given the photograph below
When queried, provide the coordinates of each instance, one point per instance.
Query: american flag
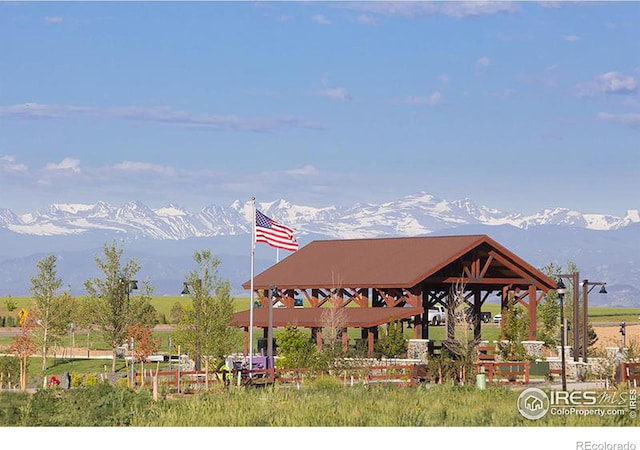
(274, 233)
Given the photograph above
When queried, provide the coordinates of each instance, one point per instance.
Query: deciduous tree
(113, 307)
(52, 309)
(205, 330)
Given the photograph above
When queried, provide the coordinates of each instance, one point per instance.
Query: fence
(506, 372)
(192, 381)
(630, 373)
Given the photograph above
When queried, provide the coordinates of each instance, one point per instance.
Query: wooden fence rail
(190, 381)
(630, 373)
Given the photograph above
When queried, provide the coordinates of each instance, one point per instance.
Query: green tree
(176, 313)
(205, 330)
(53, 311)
(112, 307)
(392, 344)
(10, 304)
(295, 349)
(515, 329)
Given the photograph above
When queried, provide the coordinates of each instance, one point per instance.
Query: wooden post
(154, 381)
(345, 340)
(370, 342)
(533, 307)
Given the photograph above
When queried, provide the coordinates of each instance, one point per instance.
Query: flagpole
(253, 250)
(277, 255)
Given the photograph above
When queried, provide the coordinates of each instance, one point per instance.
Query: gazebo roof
(394, 263)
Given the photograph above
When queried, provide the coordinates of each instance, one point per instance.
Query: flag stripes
(275, 234)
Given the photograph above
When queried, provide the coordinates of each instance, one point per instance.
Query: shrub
(9, 370)
(76, 379)
(90, 379)
(326, 383)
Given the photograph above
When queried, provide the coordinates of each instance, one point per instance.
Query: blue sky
(516, 105)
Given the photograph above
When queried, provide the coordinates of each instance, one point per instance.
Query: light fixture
(560, 287)
(603, 289)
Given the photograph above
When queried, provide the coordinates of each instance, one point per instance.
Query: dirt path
(609, 335)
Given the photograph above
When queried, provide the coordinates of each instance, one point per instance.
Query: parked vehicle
(437, 315)
(485, 316)
(497, 318)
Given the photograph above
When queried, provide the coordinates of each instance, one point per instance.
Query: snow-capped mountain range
(604, 247)
(413, 215)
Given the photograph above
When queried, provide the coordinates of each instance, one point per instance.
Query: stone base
(418, 349)
(533, 349)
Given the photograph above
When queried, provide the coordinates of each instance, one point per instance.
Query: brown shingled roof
(386, 262)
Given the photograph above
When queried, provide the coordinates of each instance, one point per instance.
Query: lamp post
(575, 279)
(561, 290)
(587, 286)
(128, 286)
(197, 305)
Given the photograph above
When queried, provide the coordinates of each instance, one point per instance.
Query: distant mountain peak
(415, 214)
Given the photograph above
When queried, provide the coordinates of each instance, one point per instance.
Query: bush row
(9, 321)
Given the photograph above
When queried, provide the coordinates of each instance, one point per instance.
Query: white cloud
(632, 119)
(366, 19)
(431, 100)
(54, 19)
(505, 93)
(136, 166)
(161, 115)
(69, 164)
(340, 94)
(321, 19)
(571, 38)
(307, 170)
(8, 164)
(482, 63)
(41, 111)
(607, 83)
(616, 83)
(418, 9)
(461, 9)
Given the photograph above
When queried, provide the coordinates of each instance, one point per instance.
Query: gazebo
(371, 282)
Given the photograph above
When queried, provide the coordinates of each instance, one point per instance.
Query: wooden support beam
(533, 322)
(487, 264)
(245, 341)
(345, 340)
(477, 304)
(493, 281)
(370, 342)
(475, 270)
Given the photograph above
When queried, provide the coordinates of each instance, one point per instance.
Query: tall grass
(327, 406)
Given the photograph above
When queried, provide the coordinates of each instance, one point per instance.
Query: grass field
(325, 403)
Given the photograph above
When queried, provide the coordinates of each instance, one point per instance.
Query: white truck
(436, 315)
